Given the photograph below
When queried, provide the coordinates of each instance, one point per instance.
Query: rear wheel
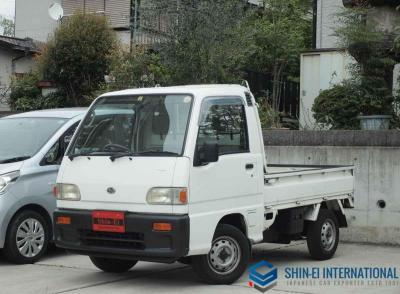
(323, 235)
(27, 237)
(112, 265)
(227, 259)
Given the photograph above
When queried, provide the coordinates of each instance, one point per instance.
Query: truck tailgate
(303, 185)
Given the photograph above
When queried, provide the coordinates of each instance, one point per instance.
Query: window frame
(101, 98)
(243, 104)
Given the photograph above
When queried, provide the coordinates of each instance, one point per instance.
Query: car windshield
(23, 137)
(149, 125)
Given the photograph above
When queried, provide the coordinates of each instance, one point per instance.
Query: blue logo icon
(263, 276)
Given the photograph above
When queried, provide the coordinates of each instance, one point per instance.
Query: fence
(262, 85)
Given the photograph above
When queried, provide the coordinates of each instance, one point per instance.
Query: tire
(323, 235)
(27, 237)
(211, 268)
(111, 265)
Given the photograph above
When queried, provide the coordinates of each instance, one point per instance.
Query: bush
(139, 68)
(78, 56)
(338, 107)
(26, 96)
(269, 118)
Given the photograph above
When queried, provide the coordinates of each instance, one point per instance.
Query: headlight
(67, 192)
(167, 196)
(6, 179)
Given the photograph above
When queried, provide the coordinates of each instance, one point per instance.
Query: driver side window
(56, 152)
(223, 122)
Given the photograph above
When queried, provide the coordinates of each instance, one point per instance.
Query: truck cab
(180, 174)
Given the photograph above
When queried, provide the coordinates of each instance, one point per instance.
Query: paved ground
(60, 272)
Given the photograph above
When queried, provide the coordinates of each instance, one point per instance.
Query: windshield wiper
(15, 159)
(72, 156)
(157, 152)
(120, 155)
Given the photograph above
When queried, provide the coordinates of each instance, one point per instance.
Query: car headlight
(67, 192)
(167, 196)
(6, 179)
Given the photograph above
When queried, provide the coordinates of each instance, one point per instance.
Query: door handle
(249, 166)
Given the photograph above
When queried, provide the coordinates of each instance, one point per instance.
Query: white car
(180, 174)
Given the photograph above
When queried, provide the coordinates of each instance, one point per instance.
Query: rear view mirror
(205, 154)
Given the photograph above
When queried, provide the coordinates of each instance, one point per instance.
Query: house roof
(27, 45)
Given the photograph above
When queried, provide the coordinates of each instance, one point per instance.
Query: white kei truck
(180, 174)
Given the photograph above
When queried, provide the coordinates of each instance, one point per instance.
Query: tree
(78, 56)
(202, 45)
(6, 26)
(276, 35)
(138, 68)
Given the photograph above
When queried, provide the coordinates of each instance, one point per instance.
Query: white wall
(319, 71)
(327, 22)
(32, 19)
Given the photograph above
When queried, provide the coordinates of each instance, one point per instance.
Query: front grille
(129, 240)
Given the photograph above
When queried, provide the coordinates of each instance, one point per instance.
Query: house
(32, 19)
(16, 58)
(328, 64)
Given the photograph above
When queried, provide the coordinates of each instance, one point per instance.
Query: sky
(7, 8)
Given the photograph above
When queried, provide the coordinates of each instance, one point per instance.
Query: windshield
(22, 138)
(136, 125)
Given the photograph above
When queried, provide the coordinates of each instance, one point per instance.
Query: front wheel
(323, 235)
(227, 259)
(111, 265)
(27, 237)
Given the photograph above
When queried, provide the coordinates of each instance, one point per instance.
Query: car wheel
(227, 259)
(323, 235)
(111, 265)
(27, 237)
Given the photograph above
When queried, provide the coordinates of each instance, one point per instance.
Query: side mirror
(52, 155)
(205, 154)
(66, 141)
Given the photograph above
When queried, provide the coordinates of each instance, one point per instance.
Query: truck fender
(311, 213)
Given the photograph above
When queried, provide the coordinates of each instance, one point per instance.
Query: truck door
(231, 182)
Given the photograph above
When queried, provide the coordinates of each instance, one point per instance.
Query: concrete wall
(32, 19)
(327, 22)
(375, 156)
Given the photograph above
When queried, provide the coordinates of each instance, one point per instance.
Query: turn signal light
(183, 196)
(63, 220)
(163, 227)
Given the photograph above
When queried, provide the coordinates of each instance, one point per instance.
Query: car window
(56, 153)
(223, 122)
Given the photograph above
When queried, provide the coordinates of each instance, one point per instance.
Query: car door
(44, 178)
(231, 183)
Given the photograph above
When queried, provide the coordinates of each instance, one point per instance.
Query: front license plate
(108, 221)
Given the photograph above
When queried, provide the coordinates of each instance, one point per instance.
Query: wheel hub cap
(30, 237)
(224, 255)
(328, 235)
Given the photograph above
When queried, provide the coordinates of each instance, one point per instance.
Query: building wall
(8, 68)
(32, 19)
(327, 22)
(377, 171)
(319, 71)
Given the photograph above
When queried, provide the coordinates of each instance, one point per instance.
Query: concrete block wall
(376, 157)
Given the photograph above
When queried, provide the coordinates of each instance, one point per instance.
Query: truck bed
(287, 186)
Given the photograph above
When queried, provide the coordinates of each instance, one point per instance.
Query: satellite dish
(55, 11)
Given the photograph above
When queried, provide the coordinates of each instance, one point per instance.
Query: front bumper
(139, 242)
